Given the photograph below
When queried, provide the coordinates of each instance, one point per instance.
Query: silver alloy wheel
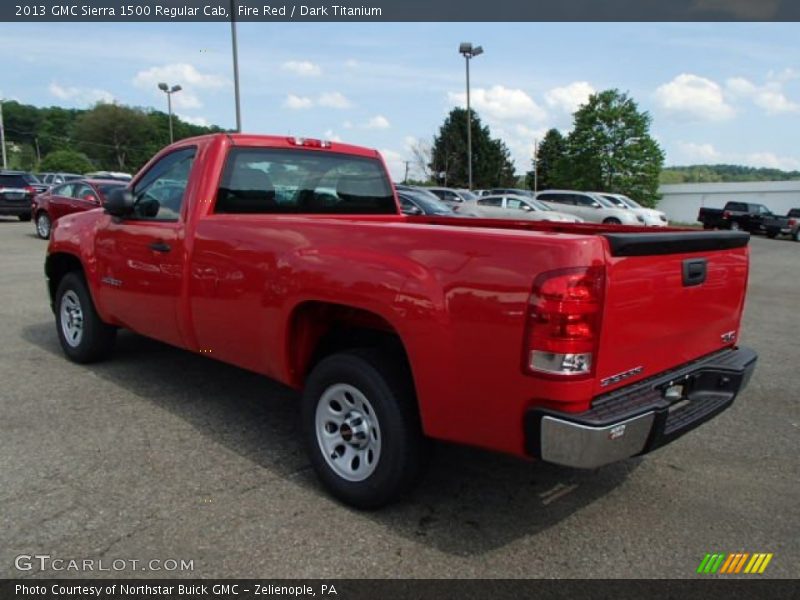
(348, 432)
(43, 226)
(735, 226)
(71, 318)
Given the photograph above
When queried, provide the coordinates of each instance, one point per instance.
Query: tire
(772, 234)
(83, 336)
(796, 235)
(361, 427)
(706, 226)
(612, 221)
(734, 226)
(43, 225)
(24, 218)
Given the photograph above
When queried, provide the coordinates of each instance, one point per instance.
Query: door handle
(160, 246)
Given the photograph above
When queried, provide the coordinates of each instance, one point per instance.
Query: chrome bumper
(639, 418)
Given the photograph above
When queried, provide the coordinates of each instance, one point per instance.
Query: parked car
(16, 195)
(67, 198)
(747, 216)
(460, 208)
(511, 191)
(452, 196)
(652, 217)
(32, 180)
(580, 348)
(115, 175)
(590, 207)
(510, 206)
(415, 202)
(776, 225)
(52, 179)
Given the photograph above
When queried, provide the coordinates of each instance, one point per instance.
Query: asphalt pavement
(160, 454)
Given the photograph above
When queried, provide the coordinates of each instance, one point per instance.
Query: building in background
(682, 201)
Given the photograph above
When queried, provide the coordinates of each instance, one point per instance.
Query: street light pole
(235, 48)
(3, 136)
(169, 91)
(469, 51)
(535, 166)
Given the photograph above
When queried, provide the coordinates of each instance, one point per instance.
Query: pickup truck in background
(745, 216)
(788, 225)
(576, 344)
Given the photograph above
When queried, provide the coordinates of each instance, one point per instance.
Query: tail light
(726, 214)
(30, 190)
(309, 142)
(563, 325)
(792, 222)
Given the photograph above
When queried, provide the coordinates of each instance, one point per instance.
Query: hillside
(719, 173)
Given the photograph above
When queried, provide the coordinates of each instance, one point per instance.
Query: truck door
(140, 259)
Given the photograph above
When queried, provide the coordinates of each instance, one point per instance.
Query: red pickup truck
(577, 344)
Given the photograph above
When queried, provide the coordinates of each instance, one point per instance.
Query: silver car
(512, 206)
(590, 207)
(652, 217)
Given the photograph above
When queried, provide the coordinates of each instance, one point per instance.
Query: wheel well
(319, 329)
(55, 267)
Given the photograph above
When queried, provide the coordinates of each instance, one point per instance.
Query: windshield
(616, 201)
(467, 195)
(538, 204)
(630, 203)
(604, 201)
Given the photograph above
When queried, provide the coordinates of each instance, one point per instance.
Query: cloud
(183, 74)
(202, 121)
(569, 97)
(303, 68)
(773, 161)
(351, 63)
(334, 100)
(330, 134)
(770, 96)
(501, 103)
(297, 102)
(692, 152)
(80, 95)
(377, 122)
(395, 162)
(694, 97)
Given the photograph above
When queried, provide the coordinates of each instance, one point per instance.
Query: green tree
(610, 149)
(68, 161)
(548, 161)
(119, 136)
(491, 159)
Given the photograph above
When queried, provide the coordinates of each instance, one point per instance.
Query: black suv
(16, 195)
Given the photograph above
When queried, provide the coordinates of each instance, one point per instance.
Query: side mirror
(119, 203)
(411, 210)
(90, 198)
(526, 208)
(595, 205)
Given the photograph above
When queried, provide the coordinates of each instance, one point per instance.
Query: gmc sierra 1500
(578, 344)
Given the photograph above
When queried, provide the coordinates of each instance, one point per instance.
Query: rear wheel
(735, 226)
(43, 225)
(772, 234)
(361, 427)
(24, 218)
(84, 337)
(796, 235)
(612, 221)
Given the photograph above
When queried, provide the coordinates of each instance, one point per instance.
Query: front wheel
(24, 218)
(83, 336)
(43, 225)
(361, 427)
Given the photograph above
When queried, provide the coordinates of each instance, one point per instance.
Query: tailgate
(670, 298)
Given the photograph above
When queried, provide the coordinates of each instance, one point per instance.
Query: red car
(67, 198)
(579, 344)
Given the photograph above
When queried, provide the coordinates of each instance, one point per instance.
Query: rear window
(795, 212)
(261, 180)
(737, 206)
(15, 181)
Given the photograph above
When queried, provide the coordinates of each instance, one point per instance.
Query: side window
(158, 195)
(84, 192)
(451, 197)
(585, 201)
(491, 201)
(438, 193)
(737, 206)
(63, 190)
(515, 203)
(556, 198)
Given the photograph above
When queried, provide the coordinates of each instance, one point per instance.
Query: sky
(717, 92)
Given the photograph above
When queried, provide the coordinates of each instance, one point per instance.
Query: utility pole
(535, 166)
(3, 136)
(235, 48)
(405, 177)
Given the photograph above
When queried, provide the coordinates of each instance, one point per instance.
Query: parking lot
(162, 454)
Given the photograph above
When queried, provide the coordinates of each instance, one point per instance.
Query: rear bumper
(14, 208)
(639, 418)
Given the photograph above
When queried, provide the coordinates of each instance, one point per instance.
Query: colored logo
(736, 563)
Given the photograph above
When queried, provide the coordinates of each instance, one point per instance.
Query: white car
(652, 217)
(590, 207)
(511, 206)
